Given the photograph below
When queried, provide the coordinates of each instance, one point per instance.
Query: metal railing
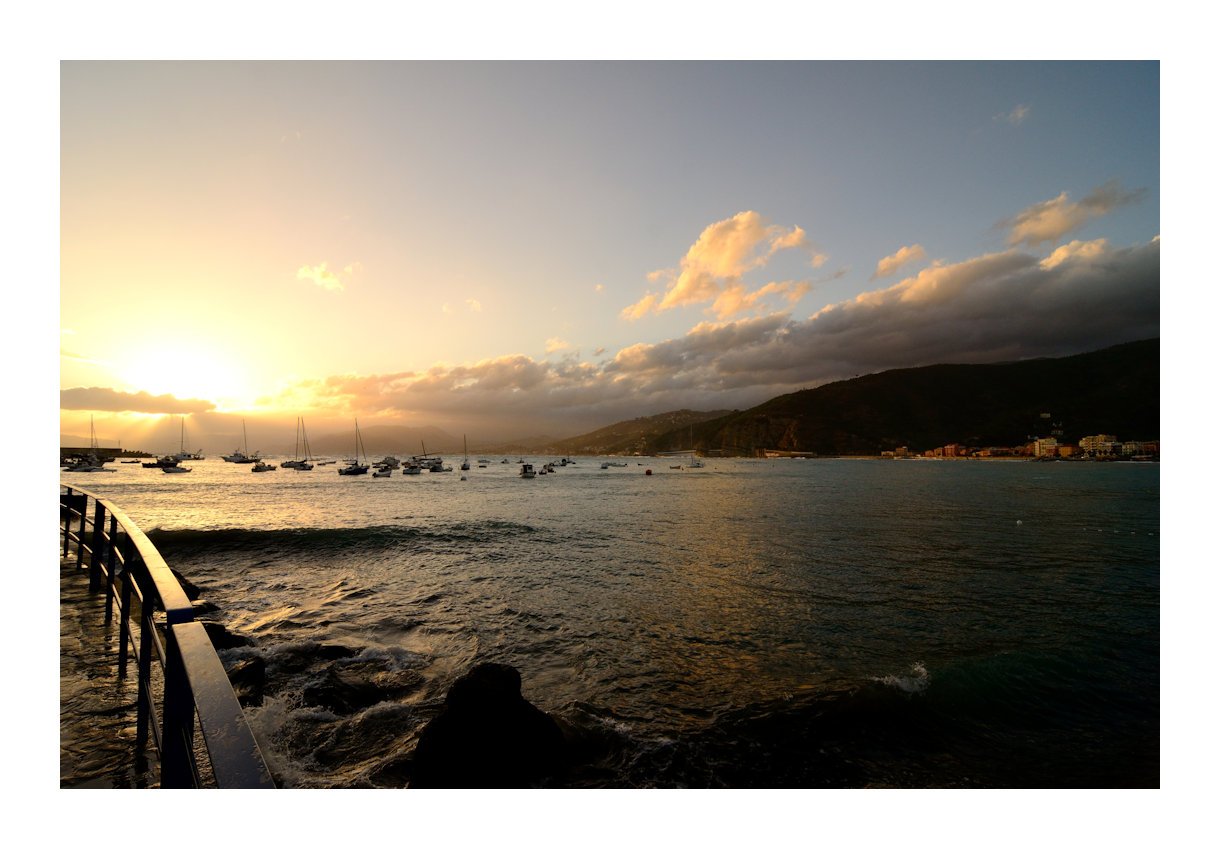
(187, 688)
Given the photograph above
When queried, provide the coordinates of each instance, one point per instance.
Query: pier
(122, 611)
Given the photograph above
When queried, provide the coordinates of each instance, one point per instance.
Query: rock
(192, 591)
(222, 638)
(247, 678)
(346, 691)
(488, 735)
(341, 693)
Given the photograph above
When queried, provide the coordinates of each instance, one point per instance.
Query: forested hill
(1112, 391)
(634, 436)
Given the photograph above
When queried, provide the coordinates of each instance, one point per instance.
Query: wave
(333, 540)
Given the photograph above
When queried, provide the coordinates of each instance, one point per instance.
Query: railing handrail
(196, 687)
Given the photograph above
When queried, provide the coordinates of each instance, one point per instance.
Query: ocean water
(756, 623)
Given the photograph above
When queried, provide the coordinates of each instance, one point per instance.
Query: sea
(756, 623)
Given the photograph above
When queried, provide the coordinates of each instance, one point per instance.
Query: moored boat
(355, 467)
(241, 455)
(165, 462)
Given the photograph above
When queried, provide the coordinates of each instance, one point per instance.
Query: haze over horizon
(515, 249)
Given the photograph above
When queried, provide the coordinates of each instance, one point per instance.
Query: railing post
(145, 656)
(97, 546)
(66, 508)
(80, 535)
(125, 606)
(178, 719)
(111, 560)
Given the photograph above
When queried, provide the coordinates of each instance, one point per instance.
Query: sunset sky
(514, 249)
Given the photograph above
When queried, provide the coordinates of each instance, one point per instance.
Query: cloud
(905, 255)
(713, 267)
(1077, 250)
(327, 279)
(111, 400)
(555, 344)
(474, 305)
(1017, 116)
(70, 355)
(997, 307)
(735, 299)
(1051, 220)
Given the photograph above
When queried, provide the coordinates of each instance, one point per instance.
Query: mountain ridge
(1115, 390)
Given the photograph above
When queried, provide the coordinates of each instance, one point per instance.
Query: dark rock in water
(347, 690)
(330, 651)
(222, 638)
(342, 692)
(488, 735)
(200, 607)
(291, 658)
(192, 591)
(248, 678)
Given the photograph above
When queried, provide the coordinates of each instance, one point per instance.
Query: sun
(206, 374)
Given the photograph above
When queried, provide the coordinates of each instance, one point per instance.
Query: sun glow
(186, 373)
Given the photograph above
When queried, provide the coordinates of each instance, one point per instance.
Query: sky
(511, 249)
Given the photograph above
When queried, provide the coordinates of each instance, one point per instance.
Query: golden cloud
(904, 256)
(1051, 220)
(713, 266)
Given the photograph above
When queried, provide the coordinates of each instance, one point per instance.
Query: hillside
(1115, 391)
(634, 435)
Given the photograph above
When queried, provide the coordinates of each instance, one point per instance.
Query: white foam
(917, 682)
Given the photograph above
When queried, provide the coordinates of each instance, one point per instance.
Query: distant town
(1103, 446)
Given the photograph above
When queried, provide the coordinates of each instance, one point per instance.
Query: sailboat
(243, 456)
(695, 462)
(183, 454)
(298, 462)
(91, 463)
(466, 455)
(354, 467)
(432, 464)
